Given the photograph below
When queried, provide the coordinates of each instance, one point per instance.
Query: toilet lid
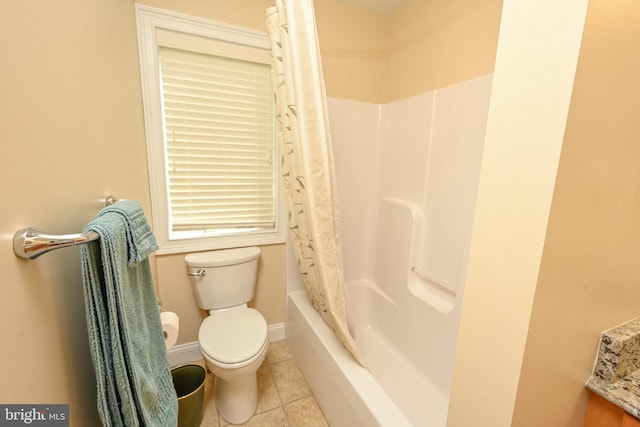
(233, 336)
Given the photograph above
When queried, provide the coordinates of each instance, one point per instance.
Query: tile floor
(284, 398)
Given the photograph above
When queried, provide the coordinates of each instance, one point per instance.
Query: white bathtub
(396, 391)
(347, 393)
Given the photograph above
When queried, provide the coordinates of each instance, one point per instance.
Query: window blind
(219, 137)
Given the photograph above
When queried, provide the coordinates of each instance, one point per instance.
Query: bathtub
(395, 391)
(347, 393)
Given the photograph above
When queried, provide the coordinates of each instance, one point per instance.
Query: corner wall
(533, 79)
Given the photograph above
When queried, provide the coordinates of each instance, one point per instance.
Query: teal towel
(140, 238)
(129, 356)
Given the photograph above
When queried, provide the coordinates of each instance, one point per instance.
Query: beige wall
(70, 110)
(589, 277)
(424, 45)
(435, 43)
(245, 13)
(353, 44)
(353, 56)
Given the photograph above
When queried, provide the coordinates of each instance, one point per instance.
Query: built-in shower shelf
(439, 294)
(404, 225)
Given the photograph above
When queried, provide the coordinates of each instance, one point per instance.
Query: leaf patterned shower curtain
(307, 160)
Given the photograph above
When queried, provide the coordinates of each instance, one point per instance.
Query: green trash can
(188, 380)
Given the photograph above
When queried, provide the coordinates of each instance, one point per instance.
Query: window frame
(150, 20)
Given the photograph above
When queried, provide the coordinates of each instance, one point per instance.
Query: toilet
(233, 338)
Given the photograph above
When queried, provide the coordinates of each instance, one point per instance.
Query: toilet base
(237, 400)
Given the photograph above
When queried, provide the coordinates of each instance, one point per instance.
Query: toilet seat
(233, 336)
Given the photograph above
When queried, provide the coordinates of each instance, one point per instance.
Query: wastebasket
(188, 380)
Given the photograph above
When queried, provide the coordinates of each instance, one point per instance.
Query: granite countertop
(616, 374)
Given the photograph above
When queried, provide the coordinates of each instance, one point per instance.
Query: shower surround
(407, 175)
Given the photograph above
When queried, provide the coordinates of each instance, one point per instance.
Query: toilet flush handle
(199, 273)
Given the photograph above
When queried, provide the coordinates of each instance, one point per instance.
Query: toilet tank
(229, 277)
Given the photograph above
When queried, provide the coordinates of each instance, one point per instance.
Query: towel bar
(30, 243)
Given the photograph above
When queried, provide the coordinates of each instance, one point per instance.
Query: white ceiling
(384, 7)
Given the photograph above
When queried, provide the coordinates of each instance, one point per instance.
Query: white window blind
(219, 140)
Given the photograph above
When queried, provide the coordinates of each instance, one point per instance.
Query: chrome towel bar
(30, 243)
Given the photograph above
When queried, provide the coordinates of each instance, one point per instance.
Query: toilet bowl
(234, 344)
(233, 338)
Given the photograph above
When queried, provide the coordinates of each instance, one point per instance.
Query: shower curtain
(307, 160)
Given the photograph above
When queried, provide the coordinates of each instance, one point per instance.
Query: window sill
(210, 244)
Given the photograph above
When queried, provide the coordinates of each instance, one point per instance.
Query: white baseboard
(183, 353)
(190, 352)
(276, 332)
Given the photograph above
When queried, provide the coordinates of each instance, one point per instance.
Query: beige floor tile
(284, 397)
(305, 413)
(278, 351)
(273, 418)
(289, 381)
(268, 397)
(211, 417)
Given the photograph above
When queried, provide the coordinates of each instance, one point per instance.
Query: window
(210, 132)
